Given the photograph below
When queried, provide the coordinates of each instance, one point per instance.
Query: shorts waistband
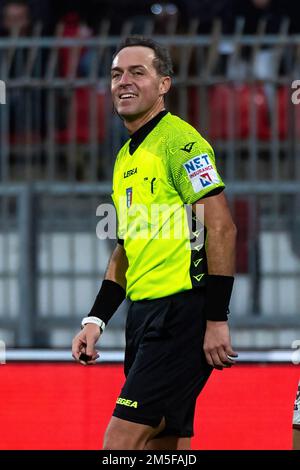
(184, 293)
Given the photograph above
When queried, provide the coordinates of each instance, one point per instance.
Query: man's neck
(133, 126)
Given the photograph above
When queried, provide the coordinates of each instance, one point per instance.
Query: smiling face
(137, 89)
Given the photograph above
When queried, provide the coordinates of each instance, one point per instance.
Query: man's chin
(128, 116)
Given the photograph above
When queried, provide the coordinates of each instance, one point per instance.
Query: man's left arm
(220, 252)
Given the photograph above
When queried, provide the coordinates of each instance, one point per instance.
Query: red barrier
(67, 406)
(81, 99)
(239, 98)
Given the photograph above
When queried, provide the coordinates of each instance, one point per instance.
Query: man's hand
(85, 343)
(217, 345)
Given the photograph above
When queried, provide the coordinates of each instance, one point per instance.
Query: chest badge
(128, 197)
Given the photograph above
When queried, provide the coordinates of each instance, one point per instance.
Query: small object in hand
(231, 358)
(84, 357)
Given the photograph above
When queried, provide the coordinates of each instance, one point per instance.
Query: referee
(176, 330)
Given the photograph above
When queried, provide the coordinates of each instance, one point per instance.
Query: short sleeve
(192, 169)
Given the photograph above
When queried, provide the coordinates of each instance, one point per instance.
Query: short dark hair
(162, 61)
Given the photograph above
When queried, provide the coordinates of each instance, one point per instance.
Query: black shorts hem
(168, 431)
(138, 419)
(174, 433)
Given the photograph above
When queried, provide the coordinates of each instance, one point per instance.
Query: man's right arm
(110, 296)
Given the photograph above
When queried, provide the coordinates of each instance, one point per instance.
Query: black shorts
(165, 365)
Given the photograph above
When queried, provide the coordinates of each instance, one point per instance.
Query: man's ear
(165, 85)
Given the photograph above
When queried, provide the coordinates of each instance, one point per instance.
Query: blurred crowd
(66, 111)
(21, 15)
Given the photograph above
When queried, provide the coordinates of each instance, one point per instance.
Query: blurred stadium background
(234, 67)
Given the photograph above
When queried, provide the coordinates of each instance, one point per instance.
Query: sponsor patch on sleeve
(201, 172)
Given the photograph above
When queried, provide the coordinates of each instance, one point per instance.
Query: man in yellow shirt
(177, 329)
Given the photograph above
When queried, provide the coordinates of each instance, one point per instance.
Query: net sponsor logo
(195, 163)
(201, 172)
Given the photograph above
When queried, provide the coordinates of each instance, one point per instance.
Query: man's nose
(125, 79)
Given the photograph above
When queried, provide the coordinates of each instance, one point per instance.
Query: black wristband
(109, 298)
(218, 293)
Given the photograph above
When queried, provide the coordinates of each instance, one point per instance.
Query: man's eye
(115, 75)
(138, 73)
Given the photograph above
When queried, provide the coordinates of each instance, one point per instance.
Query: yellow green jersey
(165, 165)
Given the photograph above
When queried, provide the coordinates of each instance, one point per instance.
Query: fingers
(231, 354)
(217, 361)
(87, 360)
(91, 340)
(83, 346)
(220, 358)
(224, 358)
(90, 350)
(213, 360)
(77, 348)
(217, 346)
(93, 360)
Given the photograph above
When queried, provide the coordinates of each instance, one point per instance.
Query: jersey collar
(139, 135)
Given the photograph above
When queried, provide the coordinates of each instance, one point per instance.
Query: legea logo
(2, 92)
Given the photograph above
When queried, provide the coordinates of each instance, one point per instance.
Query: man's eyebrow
(130, 67)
